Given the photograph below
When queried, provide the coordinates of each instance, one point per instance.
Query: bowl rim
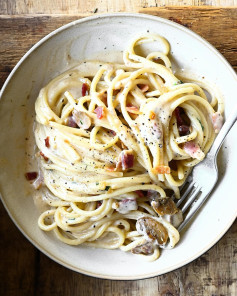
(88, 19)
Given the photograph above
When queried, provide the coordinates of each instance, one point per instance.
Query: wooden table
(26, 271)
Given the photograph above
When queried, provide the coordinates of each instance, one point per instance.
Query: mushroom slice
(164, 206)
(152, 230)
(145, 249)
(175, 219)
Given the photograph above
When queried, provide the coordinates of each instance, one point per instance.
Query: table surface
(26, 271)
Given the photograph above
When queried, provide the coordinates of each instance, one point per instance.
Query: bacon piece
(71, 122)
(126, 205)
(143, 87)
(217, 121)
(81, 119)
(46, 141)
(183, 130)
(152, 115)
(193, 149)
(173, 165)
(126, 158)
(162, 169)
(179, 119)
(45, 157)
(113, 133)
(84, 89)
(38, 181)
(125, 161)
(98, 204)
(31, 176)
(145, 249)
(183, 127)
(139, 193)
(100, 112)
(132, 109)
(111, 169)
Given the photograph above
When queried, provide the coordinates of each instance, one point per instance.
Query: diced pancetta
(84, 89)
(193, 149)
(183, 127)
(30, 176)
(139, 193)
(183, 130)
(133, 109)
(113, 133)
(179, 119)
(46, 141)
(217, 121)
(126, 159)
(162, 169)
(100, 112)
(45, 157)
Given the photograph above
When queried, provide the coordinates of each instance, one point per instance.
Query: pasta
(115, 143)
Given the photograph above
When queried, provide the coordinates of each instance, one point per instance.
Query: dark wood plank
(216, 25)
(17, 259)
(85, 7)
(19, 34)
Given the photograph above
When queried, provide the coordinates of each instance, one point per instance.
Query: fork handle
(231, 119)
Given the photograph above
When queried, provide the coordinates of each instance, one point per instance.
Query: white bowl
(88, 38)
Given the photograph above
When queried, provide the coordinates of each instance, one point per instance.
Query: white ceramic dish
(84, 39)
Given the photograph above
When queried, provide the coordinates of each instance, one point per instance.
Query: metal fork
(197, 186)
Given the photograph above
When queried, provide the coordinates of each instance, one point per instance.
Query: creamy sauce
(32, 166)
(86, 69)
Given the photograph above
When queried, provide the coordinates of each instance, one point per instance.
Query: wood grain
(26, 271)
(218, 26)
(87, 7)
(17, 259)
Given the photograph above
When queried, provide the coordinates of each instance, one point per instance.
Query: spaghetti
(115, 142)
